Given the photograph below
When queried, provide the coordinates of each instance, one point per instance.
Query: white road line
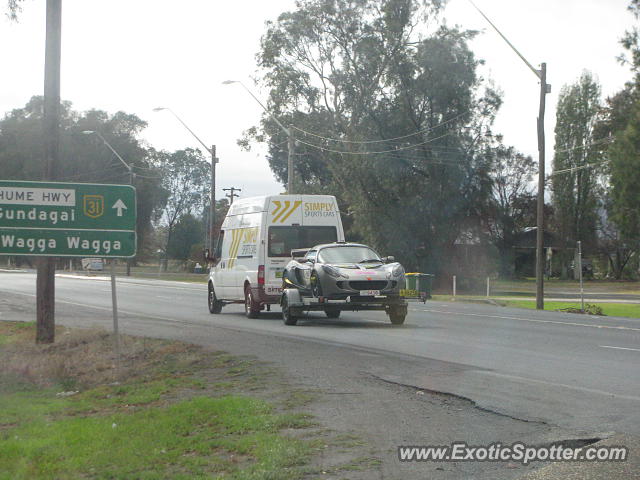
(572, 324)
(620, 348)
(555, 384)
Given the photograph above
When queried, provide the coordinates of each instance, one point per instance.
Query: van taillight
(261, 275)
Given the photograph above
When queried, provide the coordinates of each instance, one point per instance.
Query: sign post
(53, 219)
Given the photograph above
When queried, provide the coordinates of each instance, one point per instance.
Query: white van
(255, 245)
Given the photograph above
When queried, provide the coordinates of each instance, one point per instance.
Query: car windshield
(347, 254)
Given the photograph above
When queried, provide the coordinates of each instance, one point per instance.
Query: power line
(419, 132)
(572, 169)
(597, 142)
(397, 149)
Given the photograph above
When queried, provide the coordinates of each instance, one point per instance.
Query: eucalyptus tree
(389, 115)
(186, 182)
(577, 161)
(84, 158)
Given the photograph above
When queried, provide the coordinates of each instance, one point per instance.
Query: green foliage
(83, 157)
(625, 178)
(513, 205)
(186, 181)
(187, 232)
(14, 8)
(575, 188)
(390, 119)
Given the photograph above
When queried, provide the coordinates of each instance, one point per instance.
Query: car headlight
(398, 271)
(333, 272)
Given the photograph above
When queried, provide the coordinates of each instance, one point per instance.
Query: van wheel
(250, 308)
(287, 316)
(332, 313)
(215, 305)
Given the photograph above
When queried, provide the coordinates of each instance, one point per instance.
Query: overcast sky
(134, 55)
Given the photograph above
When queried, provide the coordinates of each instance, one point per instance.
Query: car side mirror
(389, 259)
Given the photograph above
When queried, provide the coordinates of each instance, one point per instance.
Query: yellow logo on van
(281, 213)
(240, 236)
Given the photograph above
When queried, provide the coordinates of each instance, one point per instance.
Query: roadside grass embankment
(630, 310)
(174, 410)
(610, 309)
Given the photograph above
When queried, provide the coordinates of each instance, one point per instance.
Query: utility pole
(544, 89)
(212, 207)
(540, 254)
(232, 194)
(290, 173)
(288, 132)
(46, 277)
(214, 160)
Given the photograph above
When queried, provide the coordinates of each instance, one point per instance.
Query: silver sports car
(343, 276)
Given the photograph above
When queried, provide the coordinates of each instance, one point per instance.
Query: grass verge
(173, 411)
(609, 309)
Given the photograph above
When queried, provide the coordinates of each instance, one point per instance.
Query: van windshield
(283, 239)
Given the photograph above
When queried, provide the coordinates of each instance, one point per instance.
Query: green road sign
(67, 219)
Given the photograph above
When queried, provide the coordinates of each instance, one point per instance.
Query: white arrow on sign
(119, 205)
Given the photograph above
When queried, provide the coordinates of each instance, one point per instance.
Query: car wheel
(316, 289)
(332, 313)
(287, 316)
(215, 305)
(250, 309)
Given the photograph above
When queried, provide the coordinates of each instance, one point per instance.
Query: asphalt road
(571, 370)
(529, 376)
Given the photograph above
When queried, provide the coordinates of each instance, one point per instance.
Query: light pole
(287, 131)
(214, 160)
(544, 89)
(129, 168)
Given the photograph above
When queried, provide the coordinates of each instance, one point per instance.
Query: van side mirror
(208, 258)
(389, 259)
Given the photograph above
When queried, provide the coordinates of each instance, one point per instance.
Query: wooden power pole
(45, 283)
(231, 195)
(544, 89)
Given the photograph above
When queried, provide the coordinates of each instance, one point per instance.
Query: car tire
(316, 288)
(215, 305)
(250, 309)
(287, 316)
(332, 313)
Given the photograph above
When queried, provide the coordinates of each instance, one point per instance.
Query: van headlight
(398, 271)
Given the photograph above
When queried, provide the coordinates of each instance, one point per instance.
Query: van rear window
(283, 239)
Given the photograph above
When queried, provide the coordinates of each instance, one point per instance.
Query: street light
(214, 160)
(287, 131)
(129, 168)
(544, 89)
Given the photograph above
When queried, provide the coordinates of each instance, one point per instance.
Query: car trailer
(294, 305)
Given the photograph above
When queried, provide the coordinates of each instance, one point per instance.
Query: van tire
(250, 308)
(215, 305)
(287, 316)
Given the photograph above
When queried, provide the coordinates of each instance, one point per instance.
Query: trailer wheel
(332, 313)
(397, 315)
(288, 317)
(215, 305)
